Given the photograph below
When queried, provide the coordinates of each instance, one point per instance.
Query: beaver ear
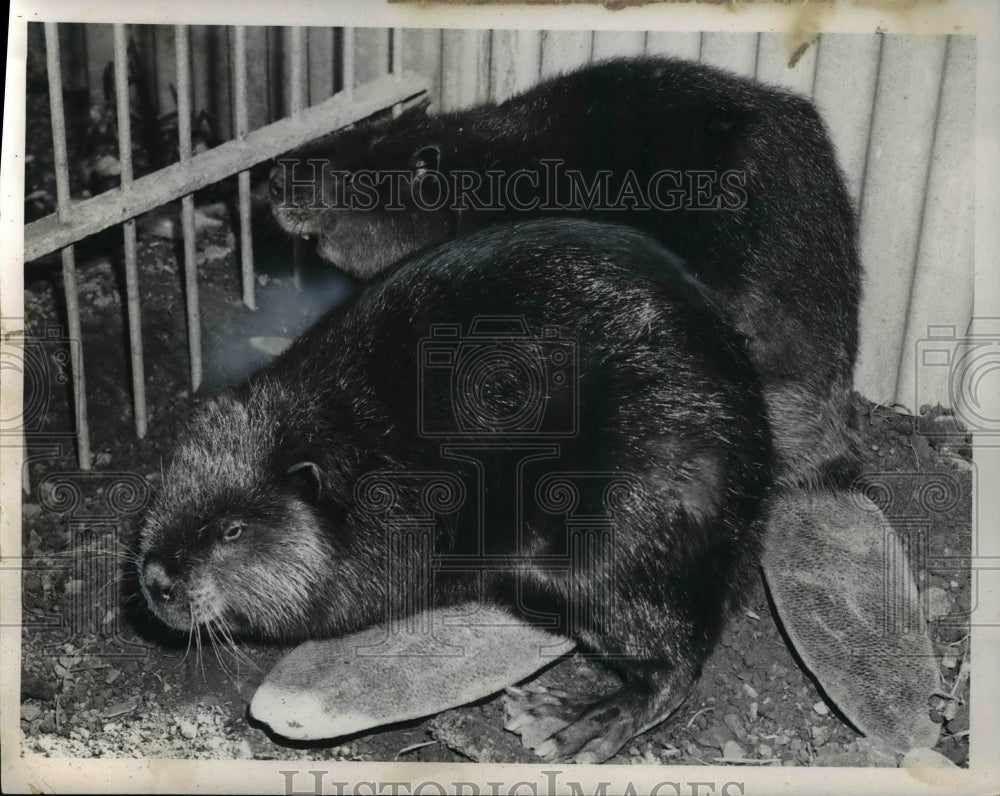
(307, 478)
(425, 159)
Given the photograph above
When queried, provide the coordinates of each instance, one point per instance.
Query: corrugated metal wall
(900, 110)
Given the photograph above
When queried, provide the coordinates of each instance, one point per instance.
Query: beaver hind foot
(562, 727)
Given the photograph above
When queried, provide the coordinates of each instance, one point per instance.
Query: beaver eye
(232, 532)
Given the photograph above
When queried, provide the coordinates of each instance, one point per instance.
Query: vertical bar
(319, 62)
(395, 61)
(242, 128)
(25, 473)
(396, 51)
(187, 204)
(296, 103)
(349, 62)
(68, 260)
(131, 266)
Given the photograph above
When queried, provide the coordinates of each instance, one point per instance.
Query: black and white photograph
(392, 393)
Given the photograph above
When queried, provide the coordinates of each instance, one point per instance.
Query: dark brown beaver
(739, 179)
(551, 416)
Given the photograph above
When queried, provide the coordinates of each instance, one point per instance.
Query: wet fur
(784, 266)
(668, 401)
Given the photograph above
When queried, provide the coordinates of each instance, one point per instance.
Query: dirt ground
(98, 678)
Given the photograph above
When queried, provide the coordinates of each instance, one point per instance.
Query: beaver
(739, 179)
(551, 416)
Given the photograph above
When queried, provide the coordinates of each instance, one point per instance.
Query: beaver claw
(560, 727)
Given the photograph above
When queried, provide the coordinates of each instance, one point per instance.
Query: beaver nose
(159, 583)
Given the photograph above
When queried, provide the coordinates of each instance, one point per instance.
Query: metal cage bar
(242, 125)
(296, 104)
(348, 63)
(187, 204)
(68, 260)
(128, 230)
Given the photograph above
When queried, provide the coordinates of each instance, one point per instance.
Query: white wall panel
(465, 68)
(515, 62)
(674, 44)
(844, 92)
(612, 43)
(892, 202)
(775, 67)
(942, 289)
(565, 50)
(736, 52)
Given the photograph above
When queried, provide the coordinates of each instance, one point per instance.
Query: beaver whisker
(225, 633)
(217, 644)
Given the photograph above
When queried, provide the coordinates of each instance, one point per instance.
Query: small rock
(188, 729)
(733, 751)
(715, 737)
(45, 744)
(102, 459)
(820, 735)
(735, 724)
(30, 511)
(938, 603)
(37, 688)
(752, 711)
(959, 722)
(925, 758)
(764, 750)
(749, 690)
(30, 712)
(119, 709)
(821, 708)
(875, 754)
